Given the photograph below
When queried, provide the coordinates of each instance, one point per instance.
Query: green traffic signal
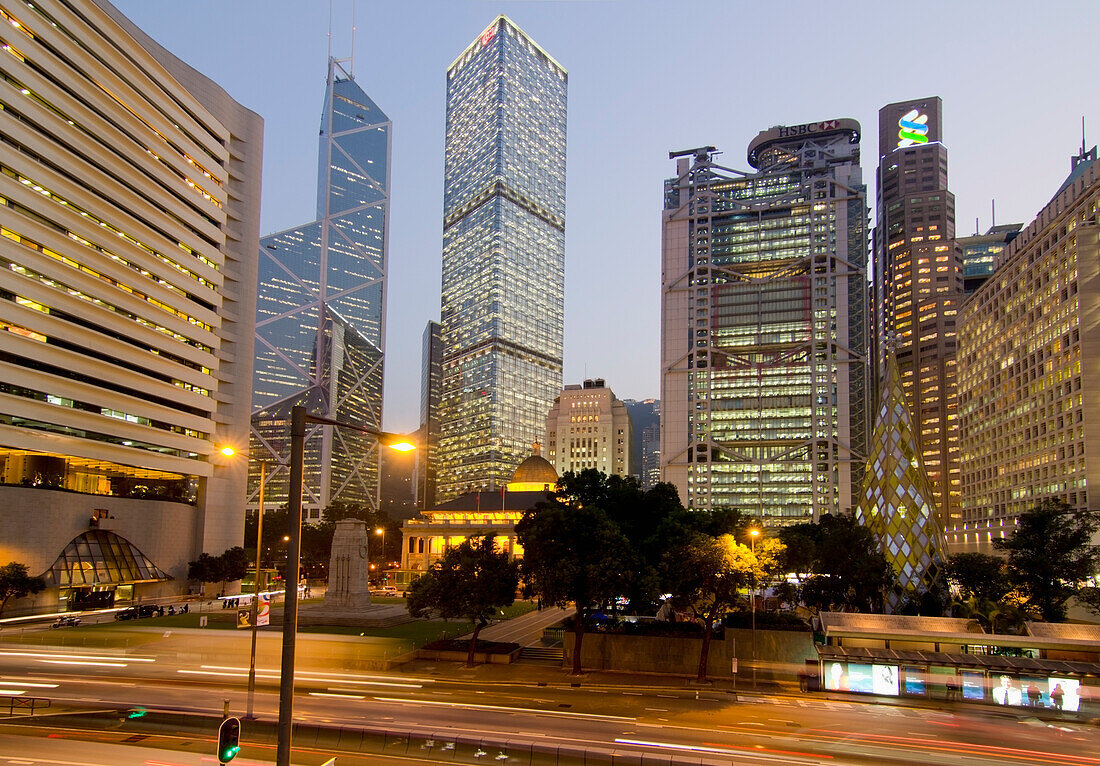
(229, 739)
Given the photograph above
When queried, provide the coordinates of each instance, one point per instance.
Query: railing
(21, 704)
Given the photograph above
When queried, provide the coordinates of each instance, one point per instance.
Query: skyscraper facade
(918, 284)
(320, 327)
(764, 326)
(502, 309)
(129, 214)
(645, 419)
(431, 381)
(981, 254)
(588, 427)
(1029, 341)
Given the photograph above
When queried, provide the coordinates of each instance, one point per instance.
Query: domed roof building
(535, 474)
(427, 537)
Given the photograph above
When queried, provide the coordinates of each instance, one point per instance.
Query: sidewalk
(525, 630)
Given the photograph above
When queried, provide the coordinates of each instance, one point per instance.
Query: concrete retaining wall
(781, 653)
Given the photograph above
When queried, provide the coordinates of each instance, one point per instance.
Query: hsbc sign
(789, 131)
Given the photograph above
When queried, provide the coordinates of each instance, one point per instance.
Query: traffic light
(229, 739)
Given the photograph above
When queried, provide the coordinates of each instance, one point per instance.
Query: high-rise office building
(645, 419)
(129, 214)
(981, 254)
(502, 310)
(431, 381)
(1029, 341)
(764, 326)
(320, 326)
(918, 283)
(588, 427)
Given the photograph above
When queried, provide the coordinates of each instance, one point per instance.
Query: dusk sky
(645, 77)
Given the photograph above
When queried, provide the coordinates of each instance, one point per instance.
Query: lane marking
(531, 711)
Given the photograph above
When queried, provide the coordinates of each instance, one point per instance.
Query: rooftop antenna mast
(353, 8)
(1082, 135)
(993, 213)
(330, 29)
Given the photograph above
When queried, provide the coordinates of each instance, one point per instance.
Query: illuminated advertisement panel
(1007, 690)
(914, 680)
(886, 680)
(1063, 693)
(973, 686)
(861, 678)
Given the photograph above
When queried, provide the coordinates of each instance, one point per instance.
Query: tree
(710, 572)
(232, 564)
(979, 576)
(471, 581)
(574, 552)
(15, 582)
(849, 570)
(1051, 556)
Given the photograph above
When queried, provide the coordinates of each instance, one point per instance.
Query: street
(441, 702)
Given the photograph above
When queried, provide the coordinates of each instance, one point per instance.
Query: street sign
(263, 616)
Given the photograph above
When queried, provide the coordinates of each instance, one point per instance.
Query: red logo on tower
(828, 125)
(487, 35)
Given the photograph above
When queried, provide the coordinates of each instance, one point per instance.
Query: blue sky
(645, 78)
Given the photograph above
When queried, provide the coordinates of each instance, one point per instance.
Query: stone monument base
(372, 616)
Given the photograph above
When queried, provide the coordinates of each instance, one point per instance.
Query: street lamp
(298, 420)
(250, 714)
(382, 557)
(753, 534)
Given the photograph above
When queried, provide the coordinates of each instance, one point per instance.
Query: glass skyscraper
(321, 310)
(764, 326)
(502, 309)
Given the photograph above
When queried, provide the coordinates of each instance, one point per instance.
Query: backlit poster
(973, 686)
(885, 680)
(1063, 694)
(914, 682)
(861, 678)
(1007, 691)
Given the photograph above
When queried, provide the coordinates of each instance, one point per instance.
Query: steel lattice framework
(765, 331)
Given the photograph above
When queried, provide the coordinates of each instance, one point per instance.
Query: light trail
(529, 710)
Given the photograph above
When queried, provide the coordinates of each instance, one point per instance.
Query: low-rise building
(426, 538)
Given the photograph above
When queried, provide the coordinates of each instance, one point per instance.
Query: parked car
(385, 590)
(69, 620)
(129, 613)
(148, 610)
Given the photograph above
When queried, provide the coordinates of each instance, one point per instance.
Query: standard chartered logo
(914, 129)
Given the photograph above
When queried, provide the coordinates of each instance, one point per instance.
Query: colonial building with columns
(426, 538)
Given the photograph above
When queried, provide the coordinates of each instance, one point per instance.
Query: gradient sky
(645, 77)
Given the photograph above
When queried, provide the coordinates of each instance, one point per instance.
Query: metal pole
(290, 607)
(256, 597)
(752, 600)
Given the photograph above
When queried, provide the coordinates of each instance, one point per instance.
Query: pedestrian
(1056, 696)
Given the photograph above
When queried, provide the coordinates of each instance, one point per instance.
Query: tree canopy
(848, 571)
(979, 576)
(574, 552)
(472, 581)
(709, 572)
(1050, 555)
(232, 564)
(16, 582)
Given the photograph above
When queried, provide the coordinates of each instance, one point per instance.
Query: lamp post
(229, 452)
(256, 594)
(382, 553)
(753, 534)
(298, 420)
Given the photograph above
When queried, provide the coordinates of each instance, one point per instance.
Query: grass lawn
(417, 632)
